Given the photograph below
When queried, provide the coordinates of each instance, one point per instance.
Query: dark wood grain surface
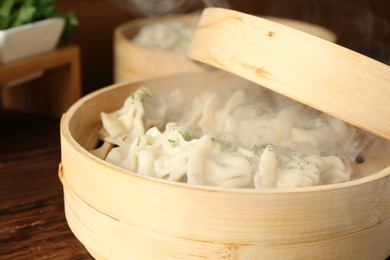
(32, 219)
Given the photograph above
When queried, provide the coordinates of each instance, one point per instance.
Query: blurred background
(32, 219)
(360, 25)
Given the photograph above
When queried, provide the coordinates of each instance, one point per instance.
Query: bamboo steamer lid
(309, 28)
(118, 214)
(318, 73)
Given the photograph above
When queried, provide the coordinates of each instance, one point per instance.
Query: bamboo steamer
(133, 62)
(118, 214)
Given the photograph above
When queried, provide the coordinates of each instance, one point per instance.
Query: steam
(216, 3)
(149, 8)
(159, 7)
(353, 21)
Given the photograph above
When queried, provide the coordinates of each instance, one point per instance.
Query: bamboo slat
(318, 73)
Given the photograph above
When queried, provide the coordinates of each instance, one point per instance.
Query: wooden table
(32, 219)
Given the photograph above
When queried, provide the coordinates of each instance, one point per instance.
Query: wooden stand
(52, 93)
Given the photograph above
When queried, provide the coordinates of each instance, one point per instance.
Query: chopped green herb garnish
(256, 150)
(186, 136)
(140, 95)
(303, 164)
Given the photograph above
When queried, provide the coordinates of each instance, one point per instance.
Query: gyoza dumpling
(282, 167)
(141, 111)
(210, 163)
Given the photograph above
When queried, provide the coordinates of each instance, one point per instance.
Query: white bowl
(30, 39)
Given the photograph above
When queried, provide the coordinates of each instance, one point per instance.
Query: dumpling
(283, 167)
(210, 163)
